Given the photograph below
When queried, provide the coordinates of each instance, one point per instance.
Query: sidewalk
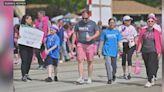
(68, 73)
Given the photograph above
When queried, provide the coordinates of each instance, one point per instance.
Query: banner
(30, 36)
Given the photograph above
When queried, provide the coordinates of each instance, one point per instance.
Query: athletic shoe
(89, 81)
(125, 77)
(80, 81)
(28, 77)
(55, 78)
(60, 61)
(109, 82)
(148, 85)
(49, 79)
(24, 78)
(114, 78)
(129, 77)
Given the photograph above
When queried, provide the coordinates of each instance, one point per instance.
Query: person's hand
(73, 46)
(120, 53)
(137, 53)
(46, 51)
(159, 55)
(89, 38)
(99, 54)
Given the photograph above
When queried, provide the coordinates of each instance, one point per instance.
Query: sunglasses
(112, 22)
(149, 21)
(85, 18)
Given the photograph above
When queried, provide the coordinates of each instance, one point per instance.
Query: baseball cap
(152, 15)
(127, 18)
(53, 28)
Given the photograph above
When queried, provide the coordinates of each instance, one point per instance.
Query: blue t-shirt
(111, 39)
(50, 42)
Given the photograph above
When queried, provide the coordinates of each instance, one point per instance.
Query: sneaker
(67, 60)
(41, 67)
(89, 81)
(109, 82)
(148, 85)
(153, 81)
(155, 78)
(125, 77)
(55, 78)
(114, 78)
(80, 80)
(28, 77)
(129, 77)
(49, 79)
(60, 61)
(24, 78)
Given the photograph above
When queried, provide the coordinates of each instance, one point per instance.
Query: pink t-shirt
(65, 36)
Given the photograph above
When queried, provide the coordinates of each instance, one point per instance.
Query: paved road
(68, 74)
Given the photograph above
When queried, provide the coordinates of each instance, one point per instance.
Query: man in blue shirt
(110, 38)
(60, 33)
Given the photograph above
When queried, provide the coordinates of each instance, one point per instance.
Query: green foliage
(57, 7)
(153, 3)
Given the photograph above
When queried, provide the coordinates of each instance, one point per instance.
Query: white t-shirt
(128, 32)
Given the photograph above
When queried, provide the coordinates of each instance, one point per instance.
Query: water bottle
(87, 36)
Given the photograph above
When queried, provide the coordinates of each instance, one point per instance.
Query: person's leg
(153, 64)
(90, 55)
(50, 70)
(30, 54)
(55, 63)
(129, 59)
(38, 56)
(114, 66)
(61, 54)
(157, 66)
(146, 58)
(55, 73)
(109, 68)
(124, 56)
(23, 56)
(80, 58)
(65, 53)
(90, 69)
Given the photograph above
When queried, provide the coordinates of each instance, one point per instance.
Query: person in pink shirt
(64, 44)
(42, 23)
(150, 45)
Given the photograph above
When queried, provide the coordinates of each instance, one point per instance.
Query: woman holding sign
(26, 52)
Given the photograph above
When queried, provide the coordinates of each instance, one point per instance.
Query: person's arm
(95, 35)
(100, 48)
(102, 38)
(74, 37)
(139, 43)
(120, 46)
(135, 34)
(52, 48)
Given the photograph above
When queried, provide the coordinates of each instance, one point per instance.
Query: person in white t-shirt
(129, 35)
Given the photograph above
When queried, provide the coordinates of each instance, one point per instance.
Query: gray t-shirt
(82, 28)
(148, 41)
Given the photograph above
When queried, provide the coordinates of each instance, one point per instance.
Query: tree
(57, 7)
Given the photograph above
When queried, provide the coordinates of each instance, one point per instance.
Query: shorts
(51, 61)
(85, 51)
